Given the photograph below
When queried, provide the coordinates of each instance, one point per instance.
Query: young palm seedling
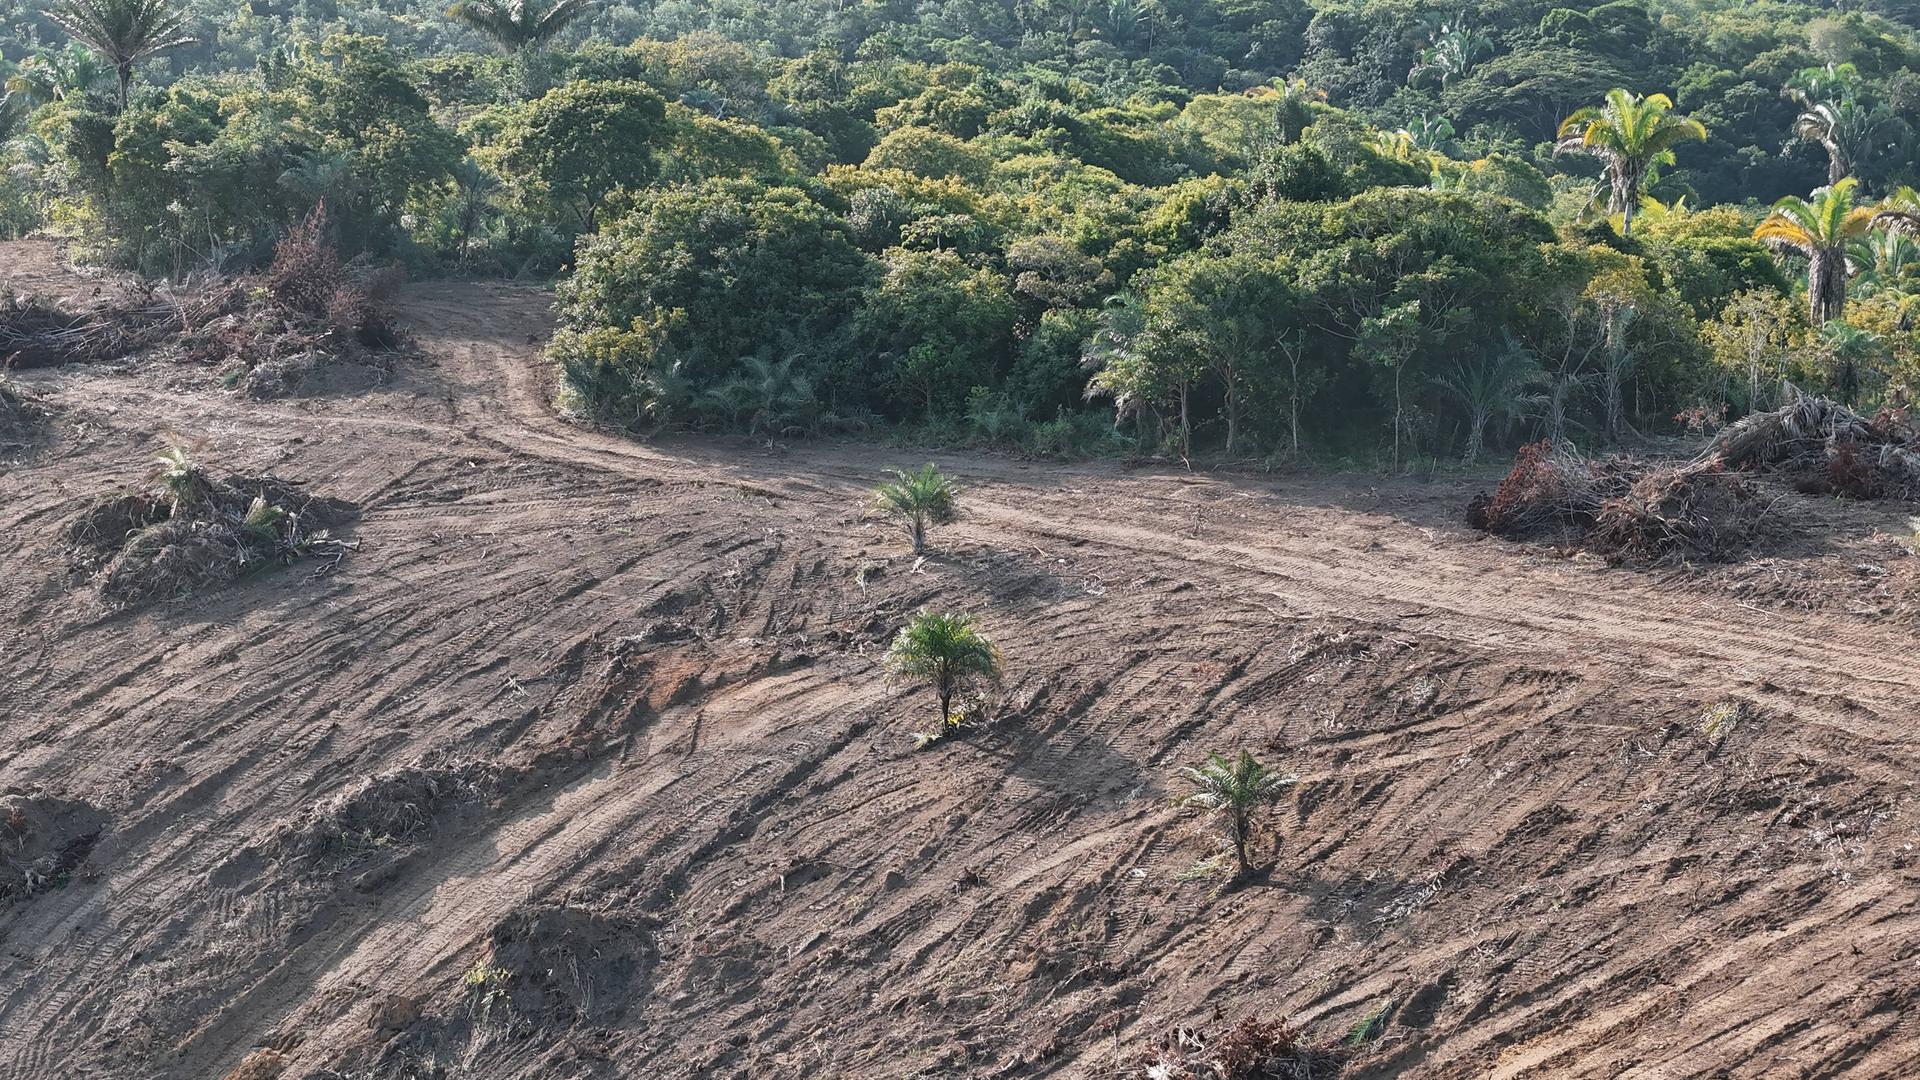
(948, 653)
(181, 475)
(917, 500)
(1233, 790)
(263, 521)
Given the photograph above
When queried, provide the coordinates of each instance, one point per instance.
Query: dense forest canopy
(1252, 227)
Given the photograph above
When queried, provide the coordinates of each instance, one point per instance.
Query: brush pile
(21, 416)
(1622, 508)
(1253, 1049)
(36, 332)
(1823, 447)
(310, 321)
(197, 533)
(387, 810)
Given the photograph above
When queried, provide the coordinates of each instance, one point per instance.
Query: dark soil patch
(42, 840)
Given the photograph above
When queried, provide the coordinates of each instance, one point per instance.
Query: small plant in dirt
(1253, 1049)
(946, 652)
(918, 499)
(1720, 721)
(177, 471)
(1371, 1026)
(484, 984)
(1233, 790)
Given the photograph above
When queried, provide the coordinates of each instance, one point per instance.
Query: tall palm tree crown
(947, 652)
(518, 25)
(1819, 230)
(123, 32)
(1232, 789)
(1631, 136)
(1899, 212)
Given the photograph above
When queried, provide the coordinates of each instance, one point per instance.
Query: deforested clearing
(584, 761)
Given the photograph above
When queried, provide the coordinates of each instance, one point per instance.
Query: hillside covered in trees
(1256, 228)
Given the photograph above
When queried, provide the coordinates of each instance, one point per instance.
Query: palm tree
(1818, 229)
(50, 76)
(770, 396)
(1846, 130)
(123, 32)
(1887, 259)
(945, 651)
(517, 26)
(1294, 100)
(1899, 212)
(1233, 790)
(1489, 387)
(918, 499)
(1453, 48)
(1630, 135)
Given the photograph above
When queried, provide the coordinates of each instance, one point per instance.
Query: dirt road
(705, 845)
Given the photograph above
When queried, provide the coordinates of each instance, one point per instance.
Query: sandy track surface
(715, 848)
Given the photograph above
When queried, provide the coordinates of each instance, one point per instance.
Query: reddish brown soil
(641, 805)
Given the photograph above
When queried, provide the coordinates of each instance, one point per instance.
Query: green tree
(1233, 790)
(918, 499)
(573, 146)
(938, 327)
(1899, 212)
(724, 270)
(946, 652)
(1488, 387)
(516, 26)
(1453, 48)
(1630, 136)
(123, 32)
(1819, 230)
(1229, 311)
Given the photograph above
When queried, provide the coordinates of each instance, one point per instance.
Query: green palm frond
(918, 499)
(1899, 212)
(947, 652)
(518, 25)
(123, 32)
(1632, 137)
(1221, 783)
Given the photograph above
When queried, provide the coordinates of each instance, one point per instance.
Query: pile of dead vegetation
(386, 810)
(309, 323)
(551, 971)
(1622, 508)
(38, 332)
(22, 416)
(42, 841)
(1822, 447)
(1253, 1049)
(194, 532)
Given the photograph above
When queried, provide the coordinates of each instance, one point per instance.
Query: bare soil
(581, 765)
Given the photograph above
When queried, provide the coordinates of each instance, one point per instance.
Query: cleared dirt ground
(659, 816)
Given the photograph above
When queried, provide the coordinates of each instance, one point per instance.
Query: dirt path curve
(1506, 821)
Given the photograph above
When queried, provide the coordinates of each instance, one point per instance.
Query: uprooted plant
(192, 531)
(1823, 447)
(1253, 1049)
